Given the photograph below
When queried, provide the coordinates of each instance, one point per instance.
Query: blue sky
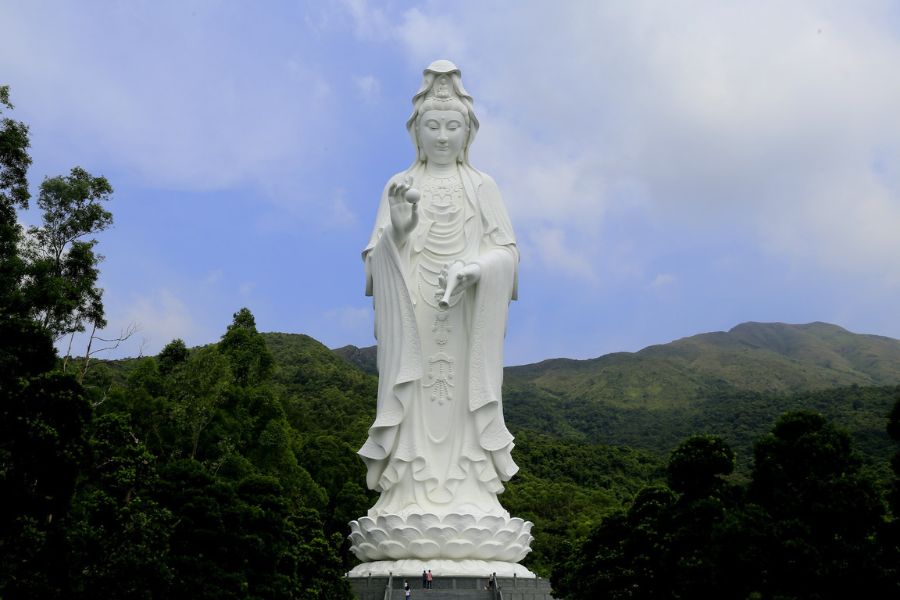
(670, 168)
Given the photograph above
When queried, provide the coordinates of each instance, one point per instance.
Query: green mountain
(732, 383)
(752, 357)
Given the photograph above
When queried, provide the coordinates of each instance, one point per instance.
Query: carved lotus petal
(476, 535)
(366, 523)
(504, 536)
(457, 548)
(515, 552)
(441, 534)
(426, 536)
(367, 551)
(378, 535)
(489, 549)
(459, 522)
(423, 548)
(428, 520)
(523, 540)
(393, 549)
(416, 521)
(491, 522)
(406, 534)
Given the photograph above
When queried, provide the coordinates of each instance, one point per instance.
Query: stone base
(412, 568)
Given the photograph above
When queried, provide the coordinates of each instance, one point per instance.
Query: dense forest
(760, 462)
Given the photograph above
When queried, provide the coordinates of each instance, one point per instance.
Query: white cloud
(369, 87)
(370, 23)
(558, 257)
(169, 94)
(213, 277)
(341, 213)
(351, 319)
(161, 317)
(662, 280)
(432, 36)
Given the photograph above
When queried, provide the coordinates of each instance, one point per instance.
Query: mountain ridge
(752, 356)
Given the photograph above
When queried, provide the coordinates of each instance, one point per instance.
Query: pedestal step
(452, 588)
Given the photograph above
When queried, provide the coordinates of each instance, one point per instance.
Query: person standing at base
(424, 579)
(406, 589)
(429, 579)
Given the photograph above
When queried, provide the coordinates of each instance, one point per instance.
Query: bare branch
(114, 343)
(68, 352)
(144, 343)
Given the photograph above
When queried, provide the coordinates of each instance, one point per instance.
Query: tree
(698, 464)
(823, 513)
(197, 389)
(42, 452)
(62, 268)
(893, 429)
(892, 531)
(251, 361)
(118, 535)
(173, 354)
(14, 163)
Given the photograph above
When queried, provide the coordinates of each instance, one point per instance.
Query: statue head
(442, 90)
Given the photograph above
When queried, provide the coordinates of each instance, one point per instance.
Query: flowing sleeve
(399, 362)
(497, 286)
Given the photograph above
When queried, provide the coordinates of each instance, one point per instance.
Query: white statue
(441, 265)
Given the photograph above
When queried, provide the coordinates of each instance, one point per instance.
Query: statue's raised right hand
(404, 202)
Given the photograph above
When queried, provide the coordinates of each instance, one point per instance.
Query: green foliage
(825, 512)
(44, 415)
(197, 389)
(251, 361)
(809, 524)
(696, 467)
(322, 392)
(42, 428)
(173, 354)
(565, 488)
(14, 163)
(119, 535)
(893, 430)
(61, 287)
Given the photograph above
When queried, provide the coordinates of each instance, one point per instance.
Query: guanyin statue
(441, 265)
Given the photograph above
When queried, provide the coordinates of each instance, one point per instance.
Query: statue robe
(393, 453)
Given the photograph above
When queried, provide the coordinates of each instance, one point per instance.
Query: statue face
(442, 135)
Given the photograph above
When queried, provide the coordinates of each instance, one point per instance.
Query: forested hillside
(733, 383)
